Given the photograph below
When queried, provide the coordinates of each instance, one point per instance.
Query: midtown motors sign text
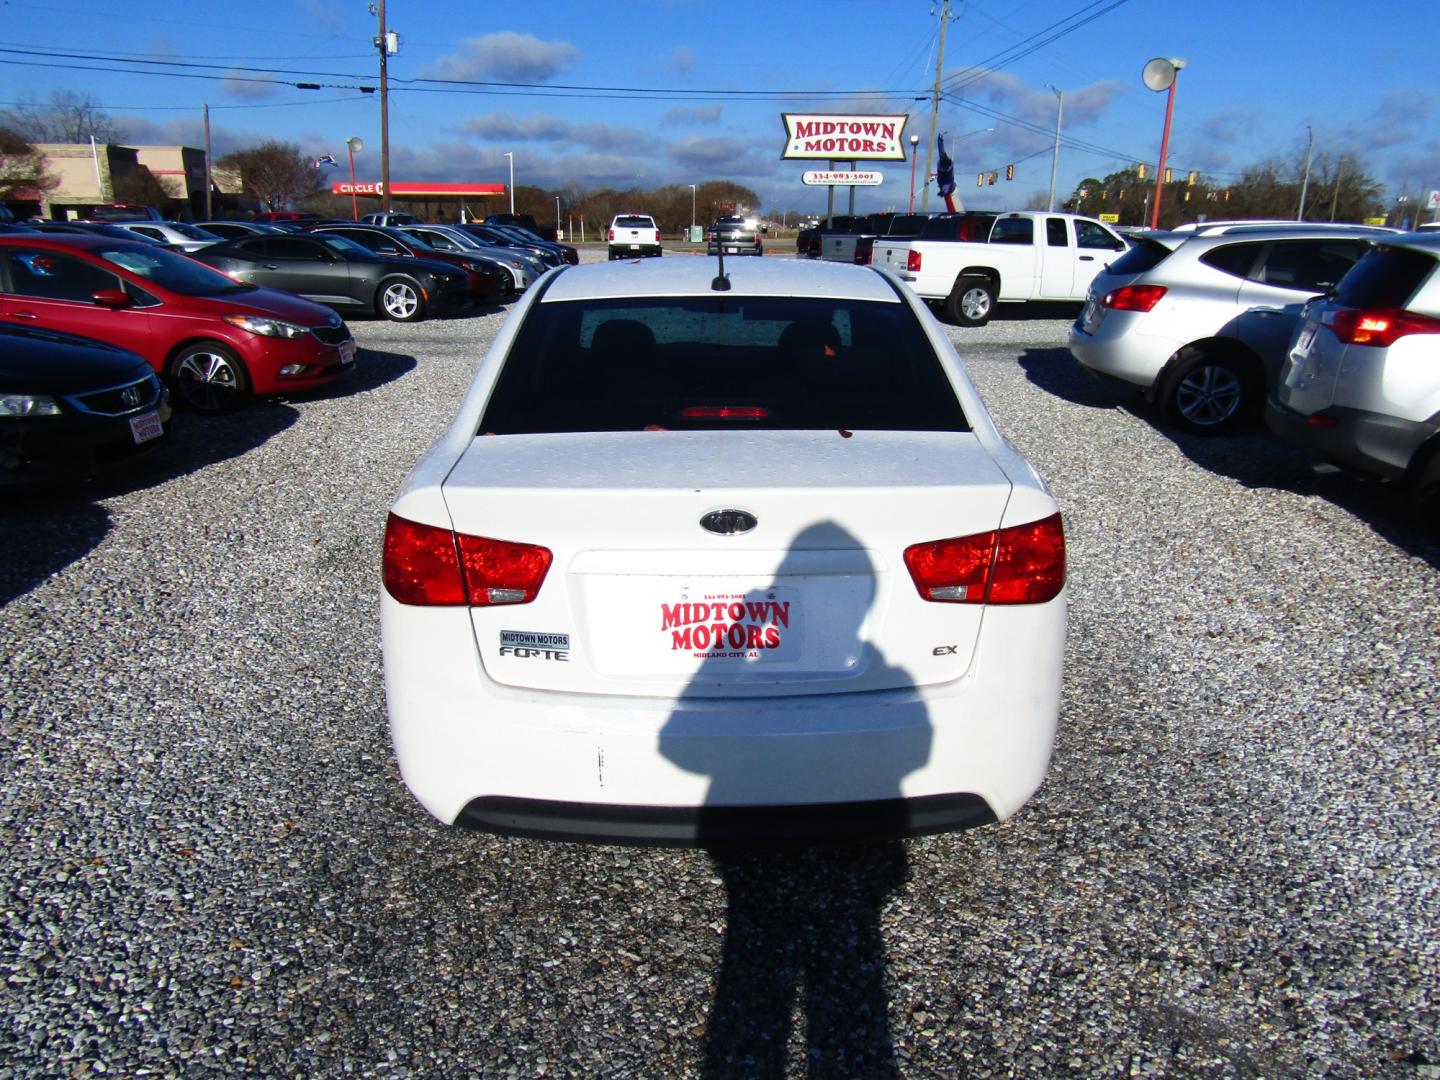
(843, 137)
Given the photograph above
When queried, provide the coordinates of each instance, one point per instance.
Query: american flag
(326, 160)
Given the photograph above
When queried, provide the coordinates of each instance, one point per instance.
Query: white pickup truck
(968, 262)
(633, 235)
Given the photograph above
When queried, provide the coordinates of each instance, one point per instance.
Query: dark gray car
(341, 274)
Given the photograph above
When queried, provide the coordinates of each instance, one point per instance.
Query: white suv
(1200, 321)
(1361, 383)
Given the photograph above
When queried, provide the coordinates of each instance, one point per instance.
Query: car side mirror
(111, 298)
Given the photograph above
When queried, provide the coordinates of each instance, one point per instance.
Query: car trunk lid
(643, 599)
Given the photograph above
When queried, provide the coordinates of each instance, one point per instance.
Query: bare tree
(65, 117)
(276, 173)
(22, 168)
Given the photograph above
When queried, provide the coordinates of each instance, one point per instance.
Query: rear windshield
(721, 362)
(1385, 277)
(907, 224)
(968, 227)
(1143, 255)
(634, 221)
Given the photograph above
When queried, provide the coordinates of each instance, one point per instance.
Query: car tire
(1207, 393)
(209, 377)
(1424, 483)
(400, 300)
(971, 302)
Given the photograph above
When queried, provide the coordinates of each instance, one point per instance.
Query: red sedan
(217, 341)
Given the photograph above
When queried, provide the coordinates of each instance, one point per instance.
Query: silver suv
(1361, 382)
(1200, 320)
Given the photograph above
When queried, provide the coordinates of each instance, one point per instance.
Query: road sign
(1433, 203)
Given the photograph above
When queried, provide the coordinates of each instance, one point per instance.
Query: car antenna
(720, 283)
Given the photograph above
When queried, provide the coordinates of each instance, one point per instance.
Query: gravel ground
(212, 867)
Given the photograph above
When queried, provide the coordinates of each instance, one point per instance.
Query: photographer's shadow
(803, 937)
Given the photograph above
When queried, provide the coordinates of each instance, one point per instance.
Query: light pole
(511, 155)
(914, 161)
(557, 217)
(1055, 164)
(691, 237)
(1305, 184)
(1162, 74)
(354, 145)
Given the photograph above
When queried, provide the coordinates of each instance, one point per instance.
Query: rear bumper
(632, 251)
(689, 770)
(687, 826)
(1120, 351)
(1365, 442)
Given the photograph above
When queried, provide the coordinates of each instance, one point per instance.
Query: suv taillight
(1024, 564)
(1134, 297)
(912, 261)
(433, 567)
(1378, 326)
(612, 235)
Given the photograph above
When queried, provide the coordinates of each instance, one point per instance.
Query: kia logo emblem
(728, 522)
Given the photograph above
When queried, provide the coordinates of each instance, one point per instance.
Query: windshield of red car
(171, 271)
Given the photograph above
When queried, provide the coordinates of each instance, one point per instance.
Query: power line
(1022, 49)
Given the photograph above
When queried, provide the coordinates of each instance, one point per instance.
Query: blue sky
(717, 77)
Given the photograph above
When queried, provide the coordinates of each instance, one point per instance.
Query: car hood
(39, 361)
(263, 301)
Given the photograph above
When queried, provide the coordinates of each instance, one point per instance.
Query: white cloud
(505, 57)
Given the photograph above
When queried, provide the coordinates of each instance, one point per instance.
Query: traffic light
(1139, 172)
(1168, 174)
(992, 177)
(980, 179)
(1190, 179)
(1009, 172)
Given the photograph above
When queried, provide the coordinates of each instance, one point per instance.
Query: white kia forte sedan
(713, 555)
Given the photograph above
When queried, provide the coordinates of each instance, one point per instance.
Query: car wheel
(1207, 394)
(972, 302)
(209, 377)
(400, 300)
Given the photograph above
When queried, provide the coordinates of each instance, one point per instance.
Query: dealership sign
(825, 178)
(843, 136)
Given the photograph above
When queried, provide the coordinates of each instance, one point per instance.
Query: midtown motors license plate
(146, 426)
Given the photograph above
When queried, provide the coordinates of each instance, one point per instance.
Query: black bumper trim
(705, 826)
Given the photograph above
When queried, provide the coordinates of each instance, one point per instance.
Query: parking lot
(211, 865)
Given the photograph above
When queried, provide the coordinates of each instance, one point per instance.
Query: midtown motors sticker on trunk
(533, 645)
(744, 626)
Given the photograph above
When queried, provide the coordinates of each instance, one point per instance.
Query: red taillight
(912, 261)
(433, 567)
(1024, 564)
(1378, 326)
(726, 412)
(1134, 297)
(611, 235)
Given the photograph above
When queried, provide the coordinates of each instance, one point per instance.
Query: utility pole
(1335, 198)
(935, 105)
(1055, 164)
(209, 215)
(383, 44)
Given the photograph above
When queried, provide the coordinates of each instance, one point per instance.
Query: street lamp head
(355, 144)
(914, 139)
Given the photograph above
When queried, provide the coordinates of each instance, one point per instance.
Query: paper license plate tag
(347, 352)
(146, 426)
(1306, 339)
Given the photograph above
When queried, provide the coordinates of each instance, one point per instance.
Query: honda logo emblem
(728, 522)
(130, 396)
